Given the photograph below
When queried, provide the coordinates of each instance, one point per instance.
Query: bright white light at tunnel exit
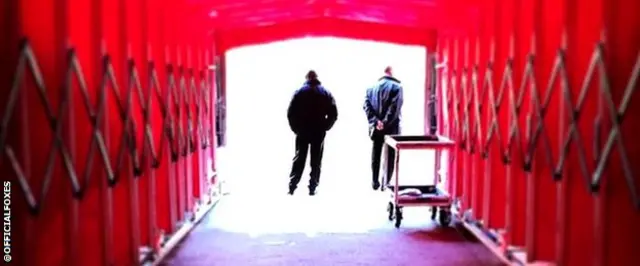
(261, 80)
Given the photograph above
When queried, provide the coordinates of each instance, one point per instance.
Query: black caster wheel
(390, 211)
(445, 217)
(398, 217)
(434, 211)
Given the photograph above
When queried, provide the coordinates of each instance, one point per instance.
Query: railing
(184, 105)
(465, 96)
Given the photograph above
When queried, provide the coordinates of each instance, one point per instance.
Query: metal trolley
(431, 195)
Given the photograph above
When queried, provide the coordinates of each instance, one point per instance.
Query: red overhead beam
(235, 6)
(326, 27)
(246, 22)
(255, 13)
(268, 16)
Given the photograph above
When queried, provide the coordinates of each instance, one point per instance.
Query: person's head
(311, 75)
(388, 71)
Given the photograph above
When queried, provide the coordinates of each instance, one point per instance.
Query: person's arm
(332, 114)
(292, 113)
(368, 108)
(395, 105)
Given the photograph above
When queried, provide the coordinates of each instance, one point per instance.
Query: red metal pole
(147, 222)
(188, 112)
(184, 64)
(164, 198)
(85, 50)
(472, 92)
(200, 70)
(12, 134)
(462, 156)
(17, 134)
(110, 16)
(454, 86)
(544, 138)
(454, 72)
(42, 31)
(466, 113)
(182, 134)
(136, 75)
(190, 130)
(207, 108)
(203, 91)
(197, 100)
(173, 93)
(469, 91)
(197, 36)
(518, 103)
(486, 102)
(618, 218)
(583, 29)
(186, 50)
(497, 114)
(119, 109)
(151, 34)
(209, 103)
(483, 104)
(167, 147)
(454, 81)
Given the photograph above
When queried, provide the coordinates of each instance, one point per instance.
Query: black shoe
(312, 192)
(291, 190)
(375, 185)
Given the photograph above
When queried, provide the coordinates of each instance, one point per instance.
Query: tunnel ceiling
(242, 22)
(229, 14)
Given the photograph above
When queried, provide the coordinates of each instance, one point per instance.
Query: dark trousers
(376, 153)
(307, 143)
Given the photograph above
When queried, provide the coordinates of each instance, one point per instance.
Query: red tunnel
(107, 137)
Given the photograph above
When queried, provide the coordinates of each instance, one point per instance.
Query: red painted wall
(107, 117)
(108, 106)
(554, 175)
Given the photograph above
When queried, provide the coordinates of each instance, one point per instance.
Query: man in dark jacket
(382, 105)
(312, 112)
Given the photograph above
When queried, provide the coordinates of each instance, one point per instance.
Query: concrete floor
(345, 224)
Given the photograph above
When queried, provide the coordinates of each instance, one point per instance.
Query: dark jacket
(384, 103)
(312, 109)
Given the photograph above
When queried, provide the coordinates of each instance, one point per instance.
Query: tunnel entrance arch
(260, 81)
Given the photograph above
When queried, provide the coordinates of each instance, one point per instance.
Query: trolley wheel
(434, 211)
(398, 216)
(445, 217)
(390, 211)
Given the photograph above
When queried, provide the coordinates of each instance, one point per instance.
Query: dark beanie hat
(312, 75)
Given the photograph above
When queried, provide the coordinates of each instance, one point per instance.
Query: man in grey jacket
(382, 105)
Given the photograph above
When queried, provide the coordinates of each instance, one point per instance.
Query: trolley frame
(431, 196)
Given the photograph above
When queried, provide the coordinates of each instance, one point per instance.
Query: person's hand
(379, 125)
